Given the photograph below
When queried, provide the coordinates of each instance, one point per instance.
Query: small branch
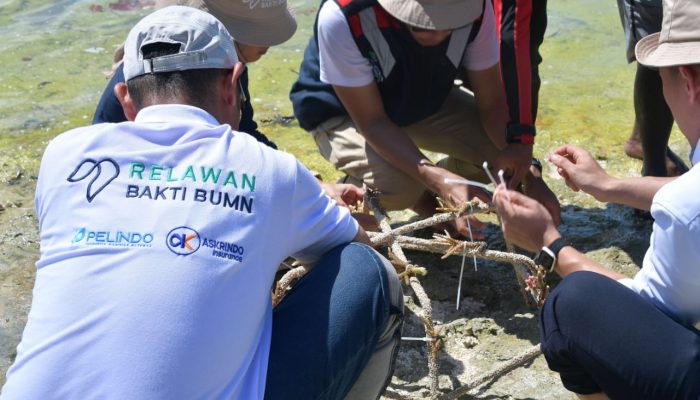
(521, 274)
(439, 245)
(285, 283)
(426, 311)
(473, 207)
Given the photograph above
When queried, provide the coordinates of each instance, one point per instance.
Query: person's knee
(573, 293)
(371, 268)
(569, 304)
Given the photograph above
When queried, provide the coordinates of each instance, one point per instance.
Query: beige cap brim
(652, 54)
(433, 16)
(269, 31)
(265, 30)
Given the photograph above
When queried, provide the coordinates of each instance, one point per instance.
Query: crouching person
(161, 237)
(609, 336)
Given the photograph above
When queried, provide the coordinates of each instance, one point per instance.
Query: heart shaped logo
(105, 171)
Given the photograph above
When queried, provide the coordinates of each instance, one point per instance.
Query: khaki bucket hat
(434, 14)
(251, 22)
(678, 43)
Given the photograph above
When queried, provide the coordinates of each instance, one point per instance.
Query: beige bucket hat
(251, 22)
(434, 14)
(678, 43)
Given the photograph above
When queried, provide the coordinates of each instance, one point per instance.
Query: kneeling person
(376, 85)
(162, 297)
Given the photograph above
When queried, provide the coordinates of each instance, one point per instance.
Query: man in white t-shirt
(377, 85)
(161, 238)
(609, 336)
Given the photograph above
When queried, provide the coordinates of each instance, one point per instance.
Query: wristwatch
(547, 257)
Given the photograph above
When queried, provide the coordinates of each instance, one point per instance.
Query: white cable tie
(453, 181)
(461, 269)
(485, 165)
(500, 176)
(417, 339)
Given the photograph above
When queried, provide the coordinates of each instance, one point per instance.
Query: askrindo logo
(183, 240)
(105, 171)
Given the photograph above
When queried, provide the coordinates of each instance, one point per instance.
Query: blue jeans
(336, 333)
(603, 337)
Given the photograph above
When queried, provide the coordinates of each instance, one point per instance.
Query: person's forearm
(637, 192)
(490, 99)
(494, 120)
(571, 260)
(362, 237)
(397, 148)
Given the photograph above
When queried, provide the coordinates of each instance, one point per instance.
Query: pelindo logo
(89, 237)
(183, 240)
(79, 235)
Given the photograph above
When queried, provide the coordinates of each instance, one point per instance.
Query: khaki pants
(455, 130)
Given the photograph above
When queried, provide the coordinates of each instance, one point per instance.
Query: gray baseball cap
(204, 42)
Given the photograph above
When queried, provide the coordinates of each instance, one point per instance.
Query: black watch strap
(555, 247)
(549, 254)
(536, 163)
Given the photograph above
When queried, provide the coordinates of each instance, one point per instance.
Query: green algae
(55, 57)
(56, 61)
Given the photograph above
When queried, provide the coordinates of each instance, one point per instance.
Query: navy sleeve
(247, 124)
(109, 109)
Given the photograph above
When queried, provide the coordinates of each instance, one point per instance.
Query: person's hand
(515, 160)
(455, 195)
(526, 222)
(344, 194)
(580, 170)
(535, 188)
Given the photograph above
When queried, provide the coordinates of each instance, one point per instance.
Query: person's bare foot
(633, 148)
(674, 164)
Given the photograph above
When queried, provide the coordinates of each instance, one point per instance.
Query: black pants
(602, 337)
(521, 25)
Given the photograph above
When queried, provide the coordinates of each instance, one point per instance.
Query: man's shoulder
(77, 137)
(681, 198)
(331, 16)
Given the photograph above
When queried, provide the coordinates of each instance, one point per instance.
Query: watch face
(544, 259)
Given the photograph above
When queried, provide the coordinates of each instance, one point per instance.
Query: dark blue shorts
(603, 337)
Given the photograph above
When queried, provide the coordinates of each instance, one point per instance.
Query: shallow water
(55, 57)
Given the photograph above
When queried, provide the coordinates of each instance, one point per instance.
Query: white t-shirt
(159, 245)
(342, 64)
(670, 274)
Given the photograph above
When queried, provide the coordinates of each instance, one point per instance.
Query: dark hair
(194, 85)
